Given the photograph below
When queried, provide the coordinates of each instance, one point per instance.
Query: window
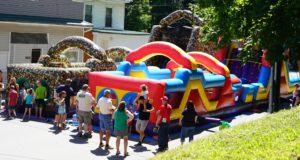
(29, 38)
(108, 17)
(35, 55)
(88, 13)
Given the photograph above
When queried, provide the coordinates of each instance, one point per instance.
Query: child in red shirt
(12, 101)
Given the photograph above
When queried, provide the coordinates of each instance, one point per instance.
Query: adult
(144, 109)
(85, 102)
(105, 117)
(1, 76)
(69, 99)
(188, 122)
(40, 96)
(122, 117)
(163, 121)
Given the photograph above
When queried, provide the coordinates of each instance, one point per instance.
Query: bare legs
(25, 112)
(125, 145)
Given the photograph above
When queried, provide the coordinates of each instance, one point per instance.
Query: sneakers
(139, 143)
(87, 135)
(101, 145)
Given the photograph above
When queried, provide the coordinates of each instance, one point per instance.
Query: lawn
(277, 136)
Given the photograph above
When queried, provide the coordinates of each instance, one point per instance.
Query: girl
(29, 100)
(60, 101)
(122, 117)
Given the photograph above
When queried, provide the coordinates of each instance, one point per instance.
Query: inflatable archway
(82, 43)
(181, 14)
(164, 49)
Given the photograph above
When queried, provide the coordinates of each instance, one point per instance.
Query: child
(12, 101)
(144, 93)
(28, 103)
(60, 101)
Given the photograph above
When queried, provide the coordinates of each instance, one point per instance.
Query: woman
(188, 122)
(122, 117)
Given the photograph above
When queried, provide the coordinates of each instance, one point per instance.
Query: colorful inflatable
(211, 87)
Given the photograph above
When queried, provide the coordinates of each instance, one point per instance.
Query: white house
(29, 28)
(108, 18)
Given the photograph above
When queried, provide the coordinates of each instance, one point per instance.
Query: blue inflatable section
(129, 97)
(292, 78)
(154, 73)
(124, 67)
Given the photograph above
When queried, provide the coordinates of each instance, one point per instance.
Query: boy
(12, 101)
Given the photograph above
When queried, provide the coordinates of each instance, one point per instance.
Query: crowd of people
(113, 120)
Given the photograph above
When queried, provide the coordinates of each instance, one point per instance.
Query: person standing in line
(85, 102)
(12, 101)
(69, 99)
(105, 117)
(188, 122)
(61, 110)
(144, 109)
(163, 121)
(122, 117)
(29, 100)
(40, 95)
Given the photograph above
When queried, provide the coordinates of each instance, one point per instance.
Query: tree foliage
(269, 24)
(138, 15)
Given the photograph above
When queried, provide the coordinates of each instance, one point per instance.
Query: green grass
(276, 136)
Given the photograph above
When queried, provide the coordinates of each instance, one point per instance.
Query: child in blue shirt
(29, 100)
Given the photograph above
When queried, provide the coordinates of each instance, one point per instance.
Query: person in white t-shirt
(85, 102)
(105, 117)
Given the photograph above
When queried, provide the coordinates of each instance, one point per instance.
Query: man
(40, 95)
(69, 100)
(85, 101)
(163, 121)
(105, 117)
(144, 108)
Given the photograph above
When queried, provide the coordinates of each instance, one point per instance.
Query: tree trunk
(276, 86)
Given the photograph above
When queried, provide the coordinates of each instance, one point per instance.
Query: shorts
(141, 125)
(121, 133)
(40, 103)
(105, 121)
(28, 106)
(12, 107)
(85, 117)
(61, 110)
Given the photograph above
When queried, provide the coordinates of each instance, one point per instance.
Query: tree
(268, 24)
(138, 15)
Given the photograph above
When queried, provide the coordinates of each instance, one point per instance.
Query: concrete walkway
(39, 141)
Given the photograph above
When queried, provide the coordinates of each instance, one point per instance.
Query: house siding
(43, 8)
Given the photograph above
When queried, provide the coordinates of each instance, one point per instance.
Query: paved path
(39, 141)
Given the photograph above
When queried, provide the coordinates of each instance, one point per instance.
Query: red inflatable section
(206, 60)
(156, 88)
(264, 62)
(221, 53)
(166, 49)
